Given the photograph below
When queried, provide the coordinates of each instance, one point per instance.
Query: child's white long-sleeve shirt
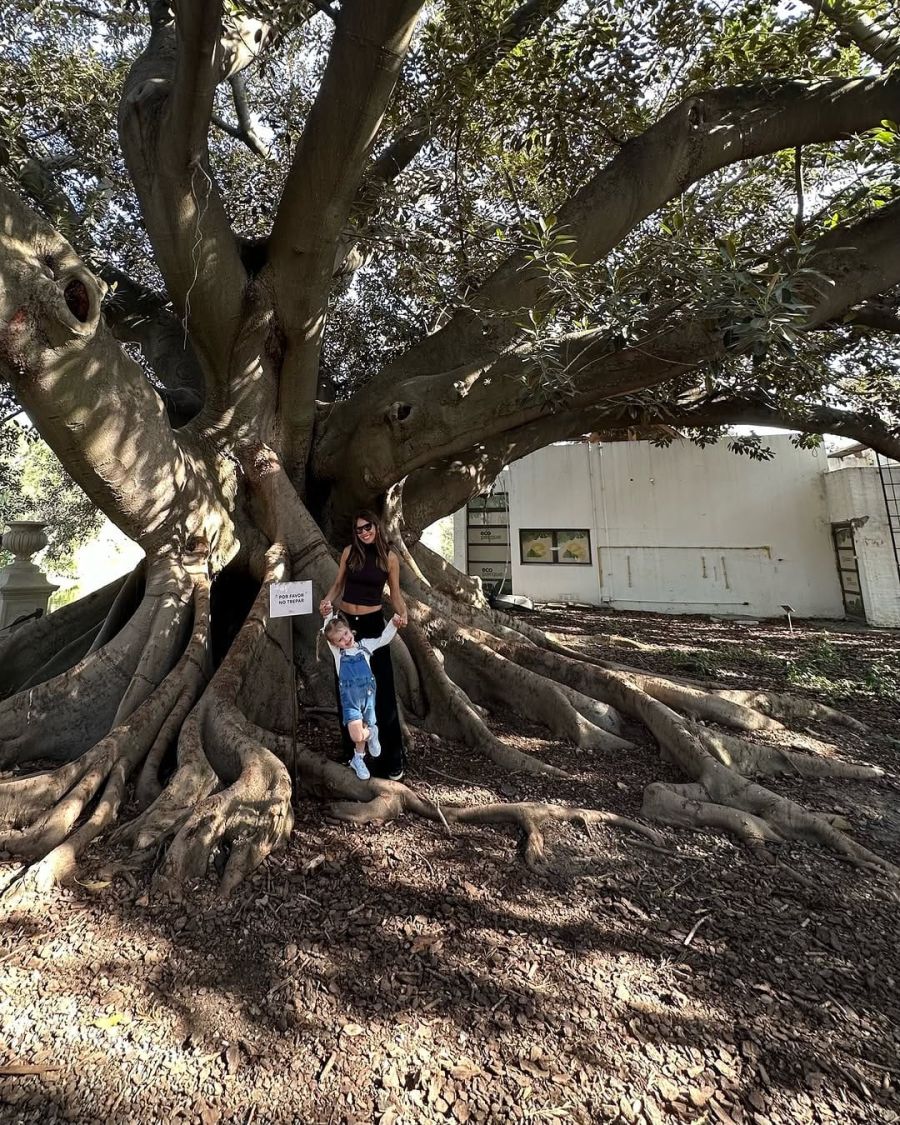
(366, 646)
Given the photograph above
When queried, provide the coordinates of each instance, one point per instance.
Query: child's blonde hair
(337, 622)
(328, 630)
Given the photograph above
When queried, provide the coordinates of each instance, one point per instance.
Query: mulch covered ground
(403, 975)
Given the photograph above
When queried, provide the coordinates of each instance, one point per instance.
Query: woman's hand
(400, 619)
(325, 607)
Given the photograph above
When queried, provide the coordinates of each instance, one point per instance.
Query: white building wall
(553, 489)
(682, 529)
(855, 496)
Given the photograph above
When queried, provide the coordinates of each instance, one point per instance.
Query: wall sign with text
(289, 599)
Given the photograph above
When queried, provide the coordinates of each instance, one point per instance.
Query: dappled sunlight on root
(791, 708)
(232, 824)
(54, 816)
(451, 711)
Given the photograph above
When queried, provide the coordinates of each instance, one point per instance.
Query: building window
(567, 547)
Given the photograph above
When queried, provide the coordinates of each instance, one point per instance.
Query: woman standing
(367, 566)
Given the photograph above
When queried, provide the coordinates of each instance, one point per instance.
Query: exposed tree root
(717, 765)
(128, 598)
(148, 786)
(246, 820)
(29, 648)
(687, 805)
(452, 711)
(170, 622)
(229, 799)
(753, 710)
(699, 758)
(538, 666)
(490, 678)
(193, 780)
(790, 708)
(753, 759)
(446, 579)
(391, 800)
(754, 814)
(62, 718)
(409, 683)
(47, 807)
(229, 795)
(378, 802)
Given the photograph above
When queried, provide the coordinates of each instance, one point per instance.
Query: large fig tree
(264, 264)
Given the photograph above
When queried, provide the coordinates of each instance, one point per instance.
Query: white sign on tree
(289, 599)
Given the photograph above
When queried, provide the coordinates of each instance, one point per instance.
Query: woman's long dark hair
(357, 557)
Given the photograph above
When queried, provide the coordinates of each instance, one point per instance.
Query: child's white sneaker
(374, 744)
(359, 767)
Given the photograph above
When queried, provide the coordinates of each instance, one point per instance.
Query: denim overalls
(357, 687)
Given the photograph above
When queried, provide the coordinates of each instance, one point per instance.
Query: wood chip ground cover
(401, 974)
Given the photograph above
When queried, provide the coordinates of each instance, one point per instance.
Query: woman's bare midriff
(358, 610)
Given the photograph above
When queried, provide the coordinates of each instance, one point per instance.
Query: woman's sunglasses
(364, 527)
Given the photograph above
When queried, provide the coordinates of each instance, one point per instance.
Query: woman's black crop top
(366, 585)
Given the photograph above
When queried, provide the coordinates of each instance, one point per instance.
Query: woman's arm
(337, 587)
(394, 586)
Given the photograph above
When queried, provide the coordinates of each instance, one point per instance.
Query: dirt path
(403, 975)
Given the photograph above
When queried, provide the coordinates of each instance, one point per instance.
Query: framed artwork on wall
(546, 546)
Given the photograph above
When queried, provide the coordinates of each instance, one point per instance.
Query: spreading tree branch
(163, 123)
(369, 45)
(808, 418)
(880, 318)
(702, 134)
(425, 420)
(880, 45)
(439, 489)
(244, 130)
(198, 66)
(84, 393)
(522, 23)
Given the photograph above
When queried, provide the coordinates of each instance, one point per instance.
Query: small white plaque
(288, 599)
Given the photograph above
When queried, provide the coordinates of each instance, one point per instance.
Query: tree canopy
(501, 114)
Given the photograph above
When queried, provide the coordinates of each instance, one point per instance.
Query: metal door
(848, 570)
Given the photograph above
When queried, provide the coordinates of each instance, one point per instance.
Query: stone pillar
(24, 588)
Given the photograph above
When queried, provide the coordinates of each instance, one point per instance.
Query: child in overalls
(357, 684)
